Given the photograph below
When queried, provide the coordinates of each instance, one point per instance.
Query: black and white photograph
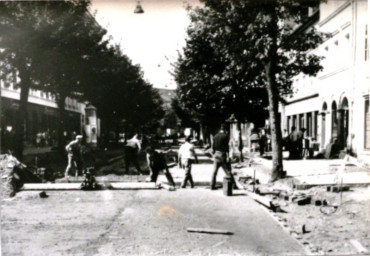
(184, 127)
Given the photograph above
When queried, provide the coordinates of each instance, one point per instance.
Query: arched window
(344, 122)
(324, 107)
(334, 120)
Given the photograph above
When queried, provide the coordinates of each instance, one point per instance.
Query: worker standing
(186, 155)
(74, 156)
(221, 156)
(132, 150)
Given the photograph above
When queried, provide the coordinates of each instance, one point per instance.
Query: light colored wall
(41, 98)
(345, 73)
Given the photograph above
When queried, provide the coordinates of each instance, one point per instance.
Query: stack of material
(13, 175)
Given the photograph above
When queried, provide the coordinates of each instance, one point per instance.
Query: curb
(288, 230)
(77, 186)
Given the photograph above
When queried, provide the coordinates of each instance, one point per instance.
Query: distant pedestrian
(186, 157)
(293, 141)
(157, 162)
(38, 139)
(221, 156)
(254, 140)
(132, 149)
(74, 156)
(262, 142)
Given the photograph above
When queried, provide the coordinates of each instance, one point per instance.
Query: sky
(151, 39)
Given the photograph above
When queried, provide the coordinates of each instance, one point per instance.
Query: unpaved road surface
(143, 222)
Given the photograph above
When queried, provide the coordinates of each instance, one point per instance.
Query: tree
(121, 95)
(49, 44)
(71, 57)
(208, 75)
(260, 41)
(186, 116)
(19, 40)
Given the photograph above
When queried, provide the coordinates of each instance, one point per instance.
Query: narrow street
(144, 222)
(109, 108)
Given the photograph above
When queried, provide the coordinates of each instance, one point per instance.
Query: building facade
(334, 105)
(42, 117)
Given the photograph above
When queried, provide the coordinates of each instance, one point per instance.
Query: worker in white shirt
(186, 155)
(132, 149)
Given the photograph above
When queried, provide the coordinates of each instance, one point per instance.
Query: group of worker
(156, 158)
(294, 143)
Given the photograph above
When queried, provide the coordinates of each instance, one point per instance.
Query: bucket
(227, 186)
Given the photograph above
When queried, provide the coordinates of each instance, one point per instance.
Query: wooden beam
(77, 186)
(210, 231)
(134, 185)
(51, 186)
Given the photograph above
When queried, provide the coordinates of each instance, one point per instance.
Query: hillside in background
(167, 95)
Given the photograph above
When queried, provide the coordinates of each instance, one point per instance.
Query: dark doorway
(323, 124)
(343, 121)
(334, 121)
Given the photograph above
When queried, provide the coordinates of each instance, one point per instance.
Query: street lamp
(138, 9)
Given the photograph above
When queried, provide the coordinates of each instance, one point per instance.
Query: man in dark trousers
(132, 149)
(221, 156)
(186, 156)
(156, 162)
(293, 143)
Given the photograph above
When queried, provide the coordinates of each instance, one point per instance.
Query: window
(367, 124)
(334, 120)
(366, 44)
(309, 124)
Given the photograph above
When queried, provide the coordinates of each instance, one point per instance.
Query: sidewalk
(201, 172)
(320, 171)
(312, 172)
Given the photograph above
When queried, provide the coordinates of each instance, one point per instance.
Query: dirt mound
(13, 175)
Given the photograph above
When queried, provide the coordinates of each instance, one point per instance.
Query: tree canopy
(240, 47)
(58, 47)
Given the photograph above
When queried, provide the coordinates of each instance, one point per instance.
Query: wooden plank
(266, 202)
(134, 185)
(260, 199)
(77, 186)
(166, 186)
(210, 231)
(358, 246)
(51, 186)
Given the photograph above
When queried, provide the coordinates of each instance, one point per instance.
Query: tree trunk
(239, 125)
(276, 141)
(21, 116)
(273, 96)
(62, 121)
